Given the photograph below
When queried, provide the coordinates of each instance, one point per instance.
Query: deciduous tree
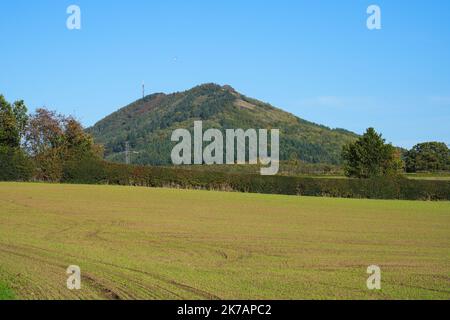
(9, 131)
(428, 156)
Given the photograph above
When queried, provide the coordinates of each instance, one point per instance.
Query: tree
(55, 142)
(44, 142)
(14, 163)
(77, 142)
(428, 156)
(44, 132)
(20, 111)
(370, 157)
(9, 132)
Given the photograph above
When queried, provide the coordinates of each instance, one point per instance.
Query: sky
(315, 59)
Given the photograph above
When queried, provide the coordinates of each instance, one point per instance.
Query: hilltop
(147, 124)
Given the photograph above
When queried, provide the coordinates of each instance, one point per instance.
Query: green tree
(78, 143)
(428, 156)
(20, 111)
(370, 157)
(14, 163)
(9, 132)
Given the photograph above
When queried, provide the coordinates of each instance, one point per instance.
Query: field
(444, 176)
(141, 243)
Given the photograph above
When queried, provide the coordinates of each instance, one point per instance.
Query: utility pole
(127, 152)
(143, 90)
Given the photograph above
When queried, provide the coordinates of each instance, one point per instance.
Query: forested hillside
(147, 125)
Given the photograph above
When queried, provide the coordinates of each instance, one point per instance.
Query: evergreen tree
(370, 157)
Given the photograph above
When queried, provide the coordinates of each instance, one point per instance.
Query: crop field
(142, 243)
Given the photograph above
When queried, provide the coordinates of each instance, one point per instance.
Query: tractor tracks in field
(105, 287)
(52, 235)
(420, 287)
(230, 258)
(185, 287)
(98, 286)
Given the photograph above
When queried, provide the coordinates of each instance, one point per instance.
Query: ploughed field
(142, 243)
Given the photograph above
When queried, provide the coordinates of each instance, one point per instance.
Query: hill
(147, 124)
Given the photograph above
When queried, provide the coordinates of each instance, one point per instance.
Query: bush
(14, 165)
(87, 170)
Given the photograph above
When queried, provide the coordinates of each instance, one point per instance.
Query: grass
(429, 176)
(5, 292)
(141, 243)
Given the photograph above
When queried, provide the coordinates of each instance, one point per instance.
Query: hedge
(95, 172)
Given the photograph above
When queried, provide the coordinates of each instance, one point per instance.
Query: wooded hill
(147, 124)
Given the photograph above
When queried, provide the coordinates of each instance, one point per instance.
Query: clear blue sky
(315, 59)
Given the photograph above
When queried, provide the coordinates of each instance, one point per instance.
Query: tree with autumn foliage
(53, 141)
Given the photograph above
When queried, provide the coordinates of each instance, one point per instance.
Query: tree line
(370, 156)
(47, 146)
(41, 146)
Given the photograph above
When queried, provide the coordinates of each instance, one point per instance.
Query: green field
(5, 293)
(444, 176)
(141, 243)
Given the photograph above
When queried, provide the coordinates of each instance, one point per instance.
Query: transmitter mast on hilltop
(143, 90)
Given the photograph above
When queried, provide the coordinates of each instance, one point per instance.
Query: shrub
(86, 170)
(14, 165)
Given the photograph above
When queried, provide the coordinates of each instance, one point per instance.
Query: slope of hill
(147, 124)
